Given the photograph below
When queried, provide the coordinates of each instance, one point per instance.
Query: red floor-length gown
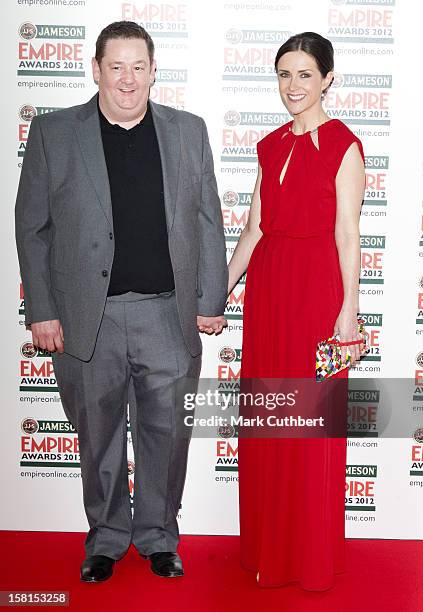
(292, 491)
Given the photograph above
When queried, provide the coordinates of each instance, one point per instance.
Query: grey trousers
(140, 347)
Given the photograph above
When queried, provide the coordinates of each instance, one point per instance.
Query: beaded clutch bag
(328, 353)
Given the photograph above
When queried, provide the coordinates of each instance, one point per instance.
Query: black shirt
(141, 261)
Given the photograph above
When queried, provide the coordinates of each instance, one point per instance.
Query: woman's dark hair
(122, 29)
(315, 45)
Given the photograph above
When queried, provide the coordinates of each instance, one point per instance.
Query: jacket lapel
(168, 138)
(91, 144)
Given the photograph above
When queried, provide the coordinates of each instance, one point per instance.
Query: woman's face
(300, 81)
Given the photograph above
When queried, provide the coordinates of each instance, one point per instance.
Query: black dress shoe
(97, 568)
(167, 564)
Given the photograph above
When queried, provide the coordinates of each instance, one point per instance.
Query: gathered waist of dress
(300, 235)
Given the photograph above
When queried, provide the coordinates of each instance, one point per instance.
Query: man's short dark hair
(122, 29)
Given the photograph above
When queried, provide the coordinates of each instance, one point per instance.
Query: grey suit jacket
(64, 224)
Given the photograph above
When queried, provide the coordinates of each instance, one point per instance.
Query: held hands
(346, 327)
(48, 335)
(211, 325)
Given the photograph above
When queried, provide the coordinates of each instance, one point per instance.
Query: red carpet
(384, 575)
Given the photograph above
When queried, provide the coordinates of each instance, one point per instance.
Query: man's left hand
(211, 325)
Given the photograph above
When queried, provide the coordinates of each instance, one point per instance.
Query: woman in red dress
(302, 249)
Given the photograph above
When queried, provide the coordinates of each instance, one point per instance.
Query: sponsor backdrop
(216, 59)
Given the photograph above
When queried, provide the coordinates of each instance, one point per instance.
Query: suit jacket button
(111, 236)
(105, 273)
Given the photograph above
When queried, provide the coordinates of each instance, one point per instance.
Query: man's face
(124, 78)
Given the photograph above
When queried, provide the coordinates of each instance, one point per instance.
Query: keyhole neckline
(309, 131)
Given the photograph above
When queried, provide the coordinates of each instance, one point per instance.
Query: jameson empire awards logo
(235, 214)
(363, 99)
(29, 351)
(362, 412)
(170, 87)
(21, 307)
(36, 371)
(416, 468)
(26, 114)
(360, 488)
(242, 131)
(229, 368)
(51, 50)
(48, 444)
(226, 454)
(231, 198)
(372, 252)
(249, 54)
(235, 304)
(374, 324)
(361, 21)
(418, 379)
(419, 318)
(161, 20)
(376, 177)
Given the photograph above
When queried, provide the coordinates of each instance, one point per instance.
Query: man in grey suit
(122, 257)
